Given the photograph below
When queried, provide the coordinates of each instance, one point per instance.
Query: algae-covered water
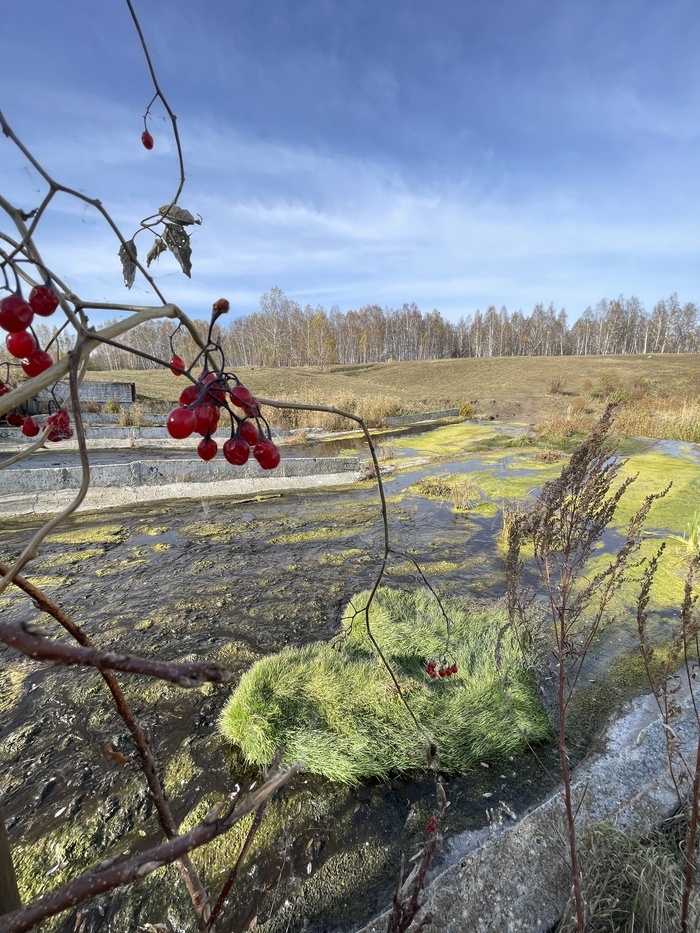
(235, 581)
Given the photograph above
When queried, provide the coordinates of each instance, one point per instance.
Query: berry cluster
(432, 825)
(445, 669)
(212, 392)
(16, 316)
(59, 422)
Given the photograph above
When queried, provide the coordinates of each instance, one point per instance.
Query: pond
(235, 581)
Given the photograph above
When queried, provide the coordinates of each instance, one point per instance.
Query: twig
(114, 874)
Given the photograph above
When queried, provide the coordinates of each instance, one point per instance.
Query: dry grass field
(524, 389)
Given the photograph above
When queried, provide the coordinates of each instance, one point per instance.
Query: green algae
(447, 441)
(96, 533)
(70, 557)
(312, 534)
(12, 679)
(180, 770)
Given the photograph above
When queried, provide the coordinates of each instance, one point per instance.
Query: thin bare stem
(122, 871)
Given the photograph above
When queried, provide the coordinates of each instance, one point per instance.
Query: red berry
(189, 395)
(147, 140)
(217, 391)
(236, 451)
(30, 428)
(14, 419)
(453, 669)
(176, 365)
(267, 455)
(20, 344)
(15, 314)
(242, 397)
(207, 448)
(37, 362)
(181, 422)
(221, 305)
(207, 418)
(442, 672)
(249, 432)
(43, 300)
(59, 421)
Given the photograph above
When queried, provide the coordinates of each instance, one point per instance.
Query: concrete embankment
(517, 880)
(51, 489)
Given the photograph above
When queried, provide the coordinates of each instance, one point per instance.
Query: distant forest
(282, 333)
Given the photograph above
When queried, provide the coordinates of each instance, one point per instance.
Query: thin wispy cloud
(455, 156)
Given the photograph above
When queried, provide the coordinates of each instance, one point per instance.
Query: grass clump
(631, 885)
(461, 492)
(337, 709)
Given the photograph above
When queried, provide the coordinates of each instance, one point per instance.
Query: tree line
(282, 333)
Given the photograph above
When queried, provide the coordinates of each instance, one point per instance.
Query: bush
(556, 387)
(337, 709)
(466, 411)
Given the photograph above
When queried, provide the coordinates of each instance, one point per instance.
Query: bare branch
(136, 867)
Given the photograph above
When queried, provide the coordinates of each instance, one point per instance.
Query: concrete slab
(517, 880)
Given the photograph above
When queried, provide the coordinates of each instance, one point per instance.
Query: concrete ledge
(421, 417)
(518, 880)
(167, 472)
(49, 503)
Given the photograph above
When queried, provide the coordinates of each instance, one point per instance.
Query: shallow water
(218, 578)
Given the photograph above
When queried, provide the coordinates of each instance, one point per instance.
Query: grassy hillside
(521, 388)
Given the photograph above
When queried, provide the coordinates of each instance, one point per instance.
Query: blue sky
(455, 154)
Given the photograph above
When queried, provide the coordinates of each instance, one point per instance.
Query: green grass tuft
(337, 710)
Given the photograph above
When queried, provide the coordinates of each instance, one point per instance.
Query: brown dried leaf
(127, 255)
(154, 252)
(178, 242)
(178, 215)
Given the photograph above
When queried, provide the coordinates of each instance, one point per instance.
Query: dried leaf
(154, 252)
(178, 243)
(178, 215)
(128, 254)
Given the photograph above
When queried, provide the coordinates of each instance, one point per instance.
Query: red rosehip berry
(14, 419)
(177, 365)
(207, 448)
(181, 423)
(37, 362)
(30, 428)
(147, 140)
(15, 314)
(43, 300)
(20, 344)
(267, 454)
(236, 451)
(249, 432)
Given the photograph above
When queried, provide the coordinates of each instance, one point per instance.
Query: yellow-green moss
(314, 534)
(11, 685)
(97, 534)
(180, 770)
